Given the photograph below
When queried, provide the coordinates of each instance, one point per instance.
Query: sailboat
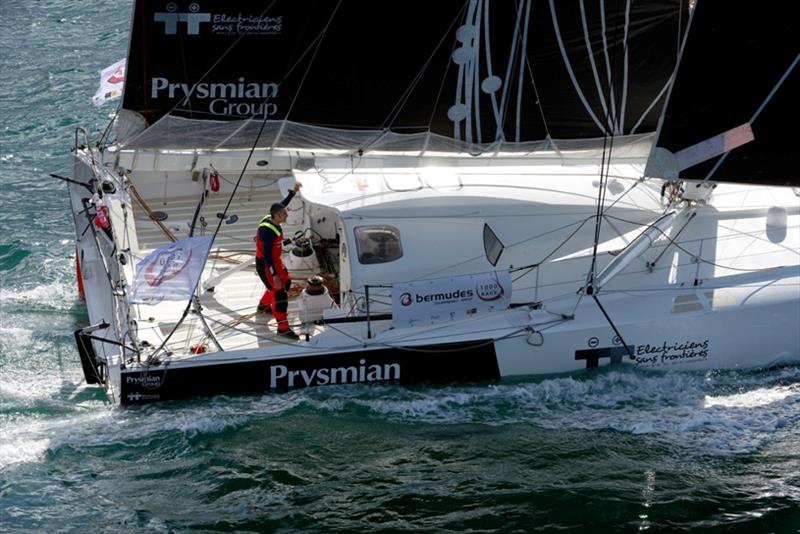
(488, 190)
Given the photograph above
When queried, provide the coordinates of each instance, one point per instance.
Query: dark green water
(609, 451)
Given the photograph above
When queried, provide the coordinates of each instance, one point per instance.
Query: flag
(171, 272)
(111, 82)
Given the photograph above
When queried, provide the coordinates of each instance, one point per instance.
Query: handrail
(85, 137)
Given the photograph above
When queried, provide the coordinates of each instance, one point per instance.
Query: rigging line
(489, 70)
(531, 267)
(143, 24)
(472, 121)
(500, 131)
(360, 342)
(631, 188)
(314, 44)
(674, 243)
(605, 167)
(186, 98)
(667, 85)
(320, 38)
(244, 168)
(756, 236)
(318, 41)
(459, 83)
(523, 57)
(614, 327)
(564, 242)
(108, 126)
(543, 327)
(232, 46)
(598, 215)
(500, 134)
(678, 40)
(670, 85)
(758, 111)
(398, 107)
(469, 76)
(684, 289)
(150, 213)
(476, 82)
(605, 54)
(538, 98)
(621, 125)
(352, 170)
(99, 247)
(600, 95)
(568, 65)
(281, 341)
(577, 303)
(691, 217)
(213, 65)
(435, 332)
(113, 288)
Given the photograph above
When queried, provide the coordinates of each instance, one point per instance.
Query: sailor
(270, 267)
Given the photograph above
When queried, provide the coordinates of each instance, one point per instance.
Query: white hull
(722, 291)
(758, 330)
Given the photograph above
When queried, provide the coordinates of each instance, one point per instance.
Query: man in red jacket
(270, 267)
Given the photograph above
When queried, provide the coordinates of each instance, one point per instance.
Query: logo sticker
(489, 291)
(171, 19)
(168, 264)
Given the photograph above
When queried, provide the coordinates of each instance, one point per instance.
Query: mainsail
(739, 70)
(471, 70)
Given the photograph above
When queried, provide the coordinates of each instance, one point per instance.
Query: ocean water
(603, 451)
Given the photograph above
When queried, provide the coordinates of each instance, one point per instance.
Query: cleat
(289, 333)
(262, 308)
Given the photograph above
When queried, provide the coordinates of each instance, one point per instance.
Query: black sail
(740, 65)
(472, 70)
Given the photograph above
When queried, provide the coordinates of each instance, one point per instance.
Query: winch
(301, 256)
(315, 300)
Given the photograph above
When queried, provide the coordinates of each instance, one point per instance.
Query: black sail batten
(471, 70)
(730, 73)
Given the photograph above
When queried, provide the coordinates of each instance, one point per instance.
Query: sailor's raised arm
(292, 193)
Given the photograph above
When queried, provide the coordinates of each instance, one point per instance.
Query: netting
(176, 133)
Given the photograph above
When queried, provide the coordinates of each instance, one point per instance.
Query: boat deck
(230, 308)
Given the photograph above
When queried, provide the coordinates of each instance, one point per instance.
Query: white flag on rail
(112, 79)
(171, 272)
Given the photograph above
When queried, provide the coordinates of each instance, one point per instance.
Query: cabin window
(492, 245)
(378, 244)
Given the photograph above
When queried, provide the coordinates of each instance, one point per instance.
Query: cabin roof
(460, 191)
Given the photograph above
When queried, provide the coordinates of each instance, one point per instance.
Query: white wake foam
(56, 295)
(95, 424)
(686, 409)
(711, 414)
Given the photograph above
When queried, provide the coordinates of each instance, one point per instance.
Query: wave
(55, 296)
(29, 437)
(12, 255)
(716, 413)
(719, 413)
